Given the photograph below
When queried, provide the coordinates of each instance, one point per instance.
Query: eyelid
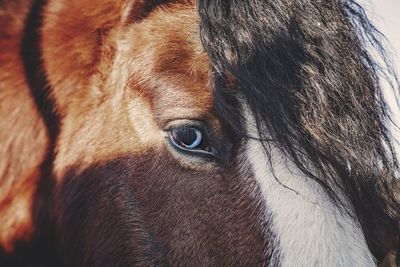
(207, 134)
(194, 150)
(197, 141)
(187, 123)
(215, 152)
(191, 152)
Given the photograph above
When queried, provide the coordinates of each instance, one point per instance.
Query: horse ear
(77, 34)
(73, 34)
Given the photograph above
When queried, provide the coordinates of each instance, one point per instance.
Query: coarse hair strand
(306, 71)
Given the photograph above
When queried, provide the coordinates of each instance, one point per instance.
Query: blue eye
(187, 138)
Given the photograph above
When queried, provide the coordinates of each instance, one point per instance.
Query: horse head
(231, 133)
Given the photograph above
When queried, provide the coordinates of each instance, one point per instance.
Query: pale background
(386, 16)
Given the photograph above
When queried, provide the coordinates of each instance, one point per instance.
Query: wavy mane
(305, 70)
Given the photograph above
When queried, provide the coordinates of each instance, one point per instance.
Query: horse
(194, 133)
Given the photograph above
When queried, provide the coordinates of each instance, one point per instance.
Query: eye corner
(190, 138)
(211, 151)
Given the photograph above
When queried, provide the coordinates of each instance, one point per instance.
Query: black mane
(304, 70)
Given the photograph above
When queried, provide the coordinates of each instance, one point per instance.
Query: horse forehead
(168, 64)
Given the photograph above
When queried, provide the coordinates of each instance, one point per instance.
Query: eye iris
(187, 137)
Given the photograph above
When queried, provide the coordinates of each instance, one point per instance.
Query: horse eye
(187, 138)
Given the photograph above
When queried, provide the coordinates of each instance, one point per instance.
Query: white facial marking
(310, 230)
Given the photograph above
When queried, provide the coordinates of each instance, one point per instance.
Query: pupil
(187, 137)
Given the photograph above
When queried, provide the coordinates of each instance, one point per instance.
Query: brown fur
(158, 74)
(118, 72)
(23, 138)
(96, 107)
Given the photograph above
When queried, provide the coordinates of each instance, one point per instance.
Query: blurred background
(386, 16)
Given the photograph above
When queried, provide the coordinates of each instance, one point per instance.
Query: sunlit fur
(89, 89)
